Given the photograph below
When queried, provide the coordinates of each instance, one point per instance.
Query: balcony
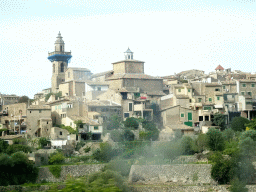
(59, 53)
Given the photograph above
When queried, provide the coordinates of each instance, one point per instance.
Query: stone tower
(60, 60)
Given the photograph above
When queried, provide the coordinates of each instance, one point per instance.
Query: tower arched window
(61, 67)
(53, 68)
(61, 48)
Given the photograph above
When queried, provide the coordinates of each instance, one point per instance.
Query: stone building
(14, 117)
(39, 120)
(59, 59)
(133, 89)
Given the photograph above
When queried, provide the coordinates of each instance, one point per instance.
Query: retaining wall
(177, 173)
(67, 171)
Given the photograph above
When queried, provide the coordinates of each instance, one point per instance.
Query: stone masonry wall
(66, 171)
(175, 173)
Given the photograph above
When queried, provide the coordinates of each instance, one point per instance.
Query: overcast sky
(168, 35)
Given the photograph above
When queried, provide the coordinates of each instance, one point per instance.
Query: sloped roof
(131, 76)
(219, 68)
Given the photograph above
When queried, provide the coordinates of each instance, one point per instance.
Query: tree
(104, 154)
(131, 122)
(186, 145)
(113, 123)
(215, 140)
(219, 120)
(16, 169)
(151, 130)
(56, 158)
(200, 143)
(23, 99)
(239, 123)
(238, 186)
(42, 142)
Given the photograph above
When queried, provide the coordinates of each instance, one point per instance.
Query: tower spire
(128, 54)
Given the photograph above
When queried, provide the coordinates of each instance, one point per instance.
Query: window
(249, 93)
(99, 88)
(40, 111)
(206, 118)
(243, 85)
(60, 132)
(188, 90)
(130, 107)
(61, 67)
(96, 128)
(179, 90)
(218, 98)
(126, 115)
(47, 123)
(210, 99)
(208, 108)
(242, 93)
(224, 87)
(252, 85)
(53, 68)
(61, 48)
(199, 99)
(30, 111)
(217, 89)
(182, 115)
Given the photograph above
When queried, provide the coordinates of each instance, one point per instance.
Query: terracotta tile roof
(219, 68)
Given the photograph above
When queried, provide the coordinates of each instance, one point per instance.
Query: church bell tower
(60, 60)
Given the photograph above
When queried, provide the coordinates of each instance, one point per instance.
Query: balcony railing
(59, 53)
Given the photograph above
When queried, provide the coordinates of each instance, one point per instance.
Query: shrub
(215, 140)
(117, 135)
(239, 123)
(152, 132)
(121, 166)
(42, 142)
(87, 149)
(219, 120)
(3, 146)
(79, 145)
(56, 158)
(113, 123)
(128, 135)
(104, 154)
(55, 170)
(69, 129)
(249, 133)
(18, 147)
(131, 122)
(238, 186)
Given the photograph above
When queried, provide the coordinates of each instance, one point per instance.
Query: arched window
(53, 68)
(61, 48)
(61, 67)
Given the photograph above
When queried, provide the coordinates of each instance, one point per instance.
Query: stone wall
(175, 173)
(66, 171)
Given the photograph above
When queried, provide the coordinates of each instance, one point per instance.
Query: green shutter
(210, 99)
(188, 124)
(218, 98)
(182, 115)
(189, 116)
(188, 90)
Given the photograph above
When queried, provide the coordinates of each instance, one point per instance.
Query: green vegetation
(113, 122)
(215, 140)
(43, 141)
(55, 170)
(219, 120)
(131, 122)
(16, 169)
(56, 158)
(69, 129)
(57, 95)
(239, 123)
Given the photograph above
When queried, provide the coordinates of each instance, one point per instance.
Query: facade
(39, 121)
(14, 117)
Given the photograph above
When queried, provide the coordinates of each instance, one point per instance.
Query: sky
(170, 36)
